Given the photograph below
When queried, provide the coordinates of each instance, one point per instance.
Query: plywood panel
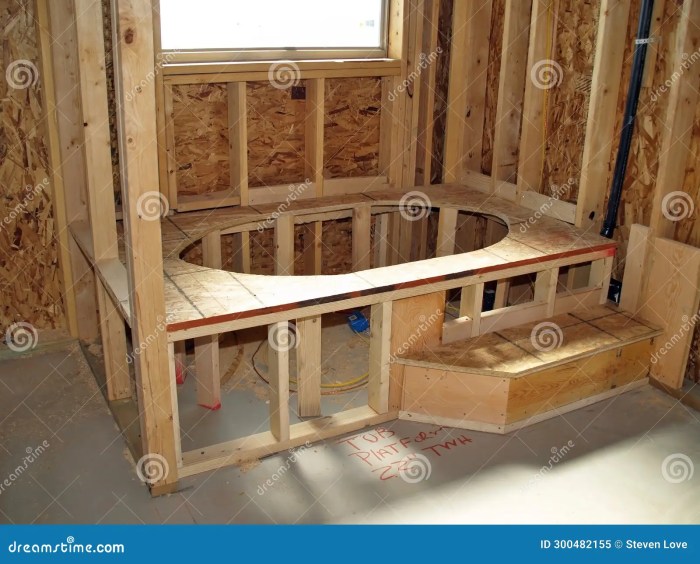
(455, 396)
(570, 382)
(351, 129)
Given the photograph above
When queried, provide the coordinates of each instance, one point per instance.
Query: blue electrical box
(358, 322)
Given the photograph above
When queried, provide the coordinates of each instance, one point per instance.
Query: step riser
(496, 403)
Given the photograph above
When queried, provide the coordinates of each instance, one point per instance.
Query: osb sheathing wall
(275, 133)
(29, 278)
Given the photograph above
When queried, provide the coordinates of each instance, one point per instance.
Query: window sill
(369, 67)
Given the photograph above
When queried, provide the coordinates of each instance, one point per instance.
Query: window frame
(194, 56)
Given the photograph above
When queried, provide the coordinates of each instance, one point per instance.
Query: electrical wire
(326, 389)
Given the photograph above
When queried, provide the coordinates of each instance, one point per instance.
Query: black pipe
(623, 150)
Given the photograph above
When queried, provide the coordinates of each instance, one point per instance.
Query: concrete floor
(613, 466)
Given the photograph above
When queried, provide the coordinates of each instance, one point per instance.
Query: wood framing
(134, 60)
(675, 142)
(532, 135)
(602, 108)
(511, 88)
(471, 24)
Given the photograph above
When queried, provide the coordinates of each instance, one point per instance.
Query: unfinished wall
(493, 71)
(29, 277)
(576, 25)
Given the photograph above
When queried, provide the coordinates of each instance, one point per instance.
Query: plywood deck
(197, 297)
(522, 350)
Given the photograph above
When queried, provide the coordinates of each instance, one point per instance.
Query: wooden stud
(174, 350)
(426, 119)
(308, 339)
(100, 183)
(284, 245)
(206, 349)
(602, 109)
(116, 367)
(278, 361)
(502, 290)
(471, 25)
(511, 88)
(414, 89)
(168, 139)
(49, 103)
(447, 225)
(637, 251)
(241, 252)
(133, 60)
(532, 135)
(361, 224)
(675, 142)
(313, 166)
(381, 240)
(470, 305)
(600, 273)
(379, 357)
(546, 289)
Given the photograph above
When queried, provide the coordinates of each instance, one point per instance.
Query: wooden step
(505, 380)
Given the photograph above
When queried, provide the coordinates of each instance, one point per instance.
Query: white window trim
(178, 56)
